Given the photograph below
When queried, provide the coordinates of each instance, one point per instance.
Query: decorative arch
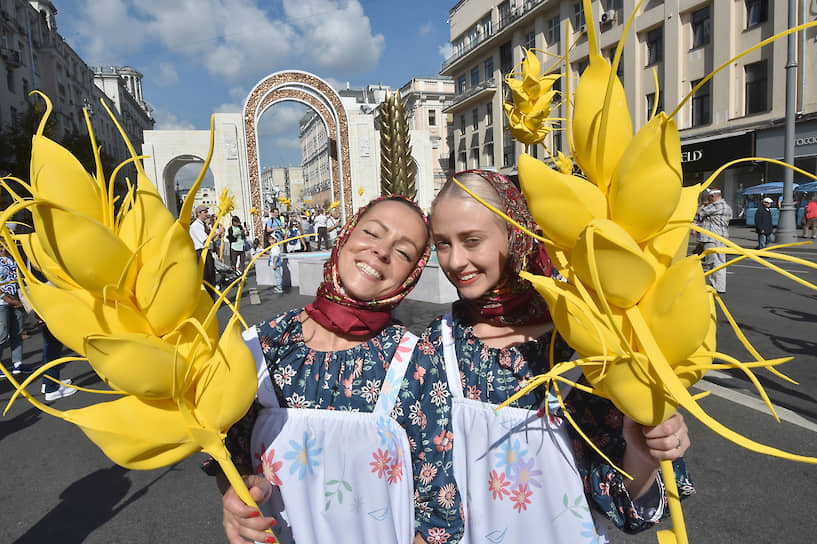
(169, 176)
(310, 90)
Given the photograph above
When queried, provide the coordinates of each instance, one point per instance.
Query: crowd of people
(362, 428)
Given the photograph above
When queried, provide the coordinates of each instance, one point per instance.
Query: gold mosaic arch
(312, 91)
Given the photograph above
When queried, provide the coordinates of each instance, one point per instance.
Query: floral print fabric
(493, 375)
(352, 380)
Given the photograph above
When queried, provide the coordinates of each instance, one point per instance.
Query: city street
(57, 486)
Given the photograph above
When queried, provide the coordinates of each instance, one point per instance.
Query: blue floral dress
(493, 375)
(351, 380)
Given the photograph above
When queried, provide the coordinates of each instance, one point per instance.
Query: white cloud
(288, 143)
(165, 75)
(233, 38)
(335, 36)
(445, 50)
(166, 120)
(425, 28)
(281, 119)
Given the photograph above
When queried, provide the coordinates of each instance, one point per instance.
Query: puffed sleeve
(425, 415)
(603, 484)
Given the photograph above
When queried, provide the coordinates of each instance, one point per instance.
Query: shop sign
(711, 154)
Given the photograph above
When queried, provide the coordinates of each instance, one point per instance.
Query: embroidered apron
(515, 471)
(336, 474)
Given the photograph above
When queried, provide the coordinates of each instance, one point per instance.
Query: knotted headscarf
(337, 311)
(513, 300)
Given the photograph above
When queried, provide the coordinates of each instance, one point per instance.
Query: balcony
(472, 94)
(505, 20)
(11, 56)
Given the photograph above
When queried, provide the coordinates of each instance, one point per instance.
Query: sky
(200, 57)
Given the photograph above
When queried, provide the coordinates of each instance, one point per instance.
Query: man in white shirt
(320, 226)
(198, 232)
(333, 226)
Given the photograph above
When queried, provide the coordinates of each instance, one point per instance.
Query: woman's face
(381, 251)
(472, 246)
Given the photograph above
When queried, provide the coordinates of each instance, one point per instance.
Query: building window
(463, 162)
(655, 45)
(461, 84)
(757, 11)
(432, 118)
(475, 158)
(488, 155)
(581, 66)
(475, 118)
(530, 40)
(702, 104)
(489, 114)
(578, 16)
(701, 27)
(462, 123)
(489, 69)
(475, 76)
(10, 79)
(651, 103)
(756, 87)
(505, 58)
(611, 55)
(557, 141)
(553, 35)
(509, 155)
(534, 151)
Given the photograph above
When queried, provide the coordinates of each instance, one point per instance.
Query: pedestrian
(714, 217)
(273, 224)
(333, 226)
(12, 313)
(344, 466)
(763, 223)
(237, 237)
(199, 232)
(292, 232)
(275, 262)
(810, 221)
(306, 228)
(320, 226)
(519, 469)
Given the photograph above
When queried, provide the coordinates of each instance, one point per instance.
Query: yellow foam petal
(227, 387)
(90, 253)
(549, 193)
(677, 309)
(646, 184)
(581, 327)
(671, 244)
(56, 175)
(599, 150)
(167, 289)
(73, 315)
(138, 364)
(135, 433)
(624, 272)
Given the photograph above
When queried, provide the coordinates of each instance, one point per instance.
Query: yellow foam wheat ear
(134, 308)
(635, 308)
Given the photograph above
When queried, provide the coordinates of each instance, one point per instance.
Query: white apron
(336, 474)
(515, 471)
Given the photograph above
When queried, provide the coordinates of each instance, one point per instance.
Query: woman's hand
(646, 446)
(241, 520)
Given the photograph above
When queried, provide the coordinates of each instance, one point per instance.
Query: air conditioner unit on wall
(607, 17)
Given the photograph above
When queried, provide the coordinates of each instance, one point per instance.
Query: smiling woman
(344, 353)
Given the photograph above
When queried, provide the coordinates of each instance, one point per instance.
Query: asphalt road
(56, 486)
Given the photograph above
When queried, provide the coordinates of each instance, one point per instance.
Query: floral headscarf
(339, 312)
(514, 300)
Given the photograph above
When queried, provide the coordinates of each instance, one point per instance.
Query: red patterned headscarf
(339, 312)
(514, 300)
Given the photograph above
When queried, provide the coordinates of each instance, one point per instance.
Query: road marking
(254, 298)
(758, 267)
(752, 402)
